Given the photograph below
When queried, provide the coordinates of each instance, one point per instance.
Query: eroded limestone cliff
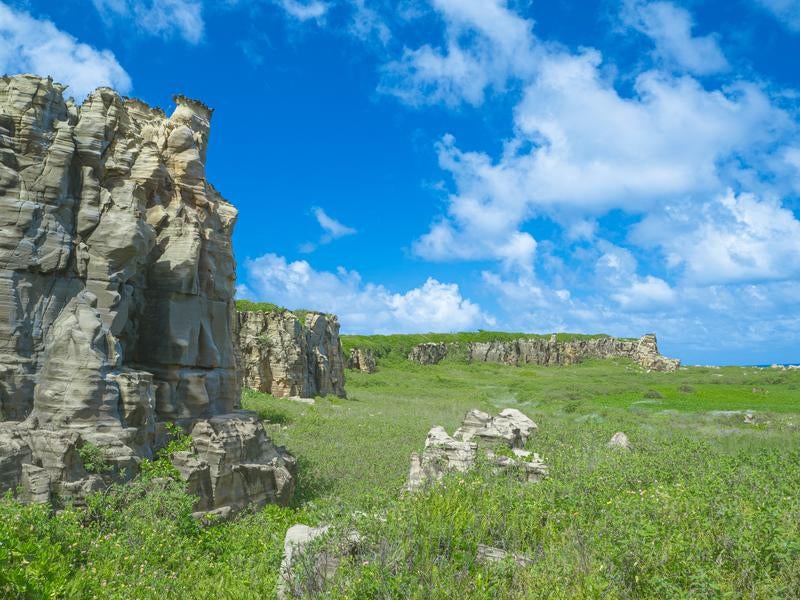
(116, 298)
(550, 351)
(281, 355)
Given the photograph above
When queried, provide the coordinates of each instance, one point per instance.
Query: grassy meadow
(705, 506)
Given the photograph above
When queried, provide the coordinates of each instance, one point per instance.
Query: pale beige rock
(619, 440)
(479, 432)
(304, 575)
(361, 360)
(489, 554)
(117, 280)
(428, 353)
(279, 355)
(550, 351)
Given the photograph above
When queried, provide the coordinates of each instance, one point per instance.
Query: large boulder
(479, 433)
(117, 280)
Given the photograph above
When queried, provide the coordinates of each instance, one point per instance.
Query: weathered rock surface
(479, 431)
(490, 554)
(619, 440)
(303, 575)
(551, 351)
(428, 353)
(116, 294)
(361, 360)
(279, 355)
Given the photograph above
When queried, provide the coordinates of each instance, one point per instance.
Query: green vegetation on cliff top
(705, 506)
(399, 345)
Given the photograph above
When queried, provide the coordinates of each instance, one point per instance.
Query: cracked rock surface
(116, 294)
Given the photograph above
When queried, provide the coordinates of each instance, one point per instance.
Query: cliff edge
(116, 300)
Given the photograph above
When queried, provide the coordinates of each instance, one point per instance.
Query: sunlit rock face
(117, 279)
(282, 355)
(550, 351)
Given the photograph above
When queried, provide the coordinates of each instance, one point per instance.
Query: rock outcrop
(280, 355)
(494, 436)
(362, 360)
(116, 298)
(550, 351)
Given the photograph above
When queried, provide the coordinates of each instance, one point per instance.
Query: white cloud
(366, 24)
(162, 18)
(732, 238)
(303, 11)
(362, 307)
(29, 45)
(670, 28)
(333, 228)
(787, 12)
(579, 148)
(500, 48)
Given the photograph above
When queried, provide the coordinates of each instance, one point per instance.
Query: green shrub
(93, 458)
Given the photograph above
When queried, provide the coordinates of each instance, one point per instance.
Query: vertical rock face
(116, 279)
(541, 351)
(361, 360)
(281, 356)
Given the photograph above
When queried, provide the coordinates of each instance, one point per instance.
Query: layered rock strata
(479, 432)
(362, 360)
(280, 355)
(550, 351)
(116, 296)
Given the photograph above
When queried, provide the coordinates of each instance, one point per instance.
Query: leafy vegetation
(705, 505)
(93, 459)
(162, 466)
(269, 307)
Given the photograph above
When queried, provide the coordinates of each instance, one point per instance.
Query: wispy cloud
(331, 228)
(29, 45)
(787, 12)
(670, 28)
(304, 11)
(163, 18)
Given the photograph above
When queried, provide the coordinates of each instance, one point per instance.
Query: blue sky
(617, 166)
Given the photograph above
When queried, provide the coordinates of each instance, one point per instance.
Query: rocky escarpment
(116, 299)
(281, 355)
(550, 351)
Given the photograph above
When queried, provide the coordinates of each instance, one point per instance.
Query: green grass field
(705, 506)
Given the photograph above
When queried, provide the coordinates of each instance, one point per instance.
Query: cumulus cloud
(362, 307)
(787, 12)
(29, 45)
(163, 18)
(500, 48)
(670, 28)
(732, 238)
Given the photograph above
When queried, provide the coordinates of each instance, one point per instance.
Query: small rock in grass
(490, 554)
(619, 440)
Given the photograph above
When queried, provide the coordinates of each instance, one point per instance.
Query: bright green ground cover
(705, 506)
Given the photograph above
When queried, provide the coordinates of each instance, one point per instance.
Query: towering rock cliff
(116, 298)
(281, 355)
(550, 351)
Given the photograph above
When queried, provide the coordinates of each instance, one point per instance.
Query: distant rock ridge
(281, 355)
(549, 351)
(117, 279)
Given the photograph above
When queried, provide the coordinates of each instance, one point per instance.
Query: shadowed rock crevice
(117, 279)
